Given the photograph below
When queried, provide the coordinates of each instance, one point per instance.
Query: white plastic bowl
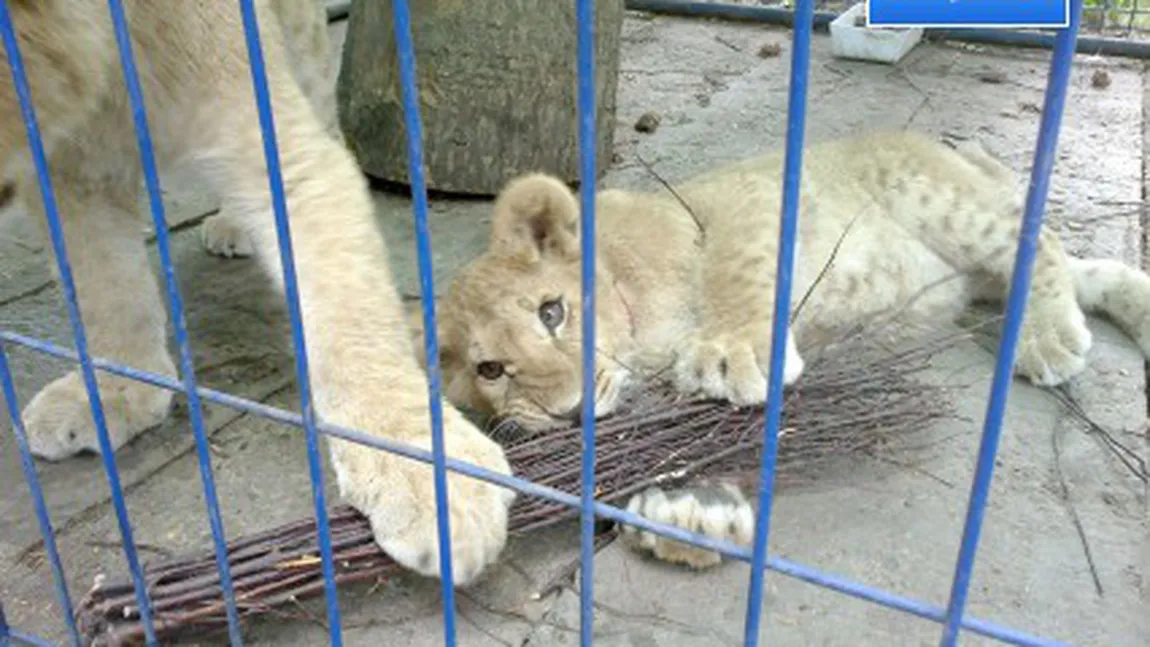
(883, 45)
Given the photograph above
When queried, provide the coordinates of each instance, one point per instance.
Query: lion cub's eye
(551, 313)
(490, 370)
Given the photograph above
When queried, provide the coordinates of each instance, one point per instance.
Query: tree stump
(497, 84)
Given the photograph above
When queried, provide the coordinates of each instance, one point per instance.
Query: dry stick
(1130, 459)
(1064, 492)
(672, 191)
(824, 269)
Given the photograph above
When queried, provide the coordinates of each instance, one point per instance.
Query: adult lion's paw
(59, 422)
(398, 496)
(225, 234)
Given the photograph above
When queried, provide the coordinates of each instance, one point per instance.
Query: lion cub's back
(903, 177)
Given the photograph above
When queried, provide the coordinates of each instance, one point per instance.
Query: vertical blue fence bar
(792, 176)
(291, 296)
(176, 306)
(414, 126)
(1044, 155)
(80, 337)
(38, 503)
(585, 71)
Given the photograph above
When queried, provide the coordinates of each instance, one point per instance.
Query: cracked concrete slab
(891, 527)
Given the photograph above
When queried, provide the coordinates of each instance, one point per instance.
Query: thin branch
(825, 268)
(1064, 493)
(673, 192)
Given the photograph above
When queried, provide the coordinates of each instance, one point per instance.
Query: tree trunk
(497, 90)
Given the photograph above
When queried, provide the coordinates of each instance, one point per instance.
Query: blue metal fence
(952, 617)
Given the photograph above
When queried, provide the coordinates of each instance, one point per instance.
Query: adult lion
(195, 77)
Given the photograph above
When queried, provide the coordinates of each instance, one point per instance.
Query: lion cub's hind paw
(718, 511)
(1052, 347)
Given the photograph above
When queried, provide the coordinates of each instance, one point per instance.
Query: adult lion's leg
(304, 27)
(95, 182)
(69, 56)
(362, 366)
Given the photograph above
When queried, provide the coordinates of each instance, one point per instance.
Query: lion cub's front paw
(729, 367)
(58, 420)
(719, 511)
(1053, 344)
(398, 496)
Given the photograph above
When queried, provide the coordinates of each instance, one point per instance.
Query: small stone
(992, 76)
(1100, 79)
(860, 21)
(770, 50)
(1030, 106)
(647, 123)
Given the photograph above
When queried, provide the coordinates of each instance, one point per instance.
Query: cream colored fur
(305, 24)
(924, 230)
(196, 80)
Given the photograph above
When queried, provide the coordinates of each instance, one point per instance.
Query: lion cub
(193, 67)
(920, 227)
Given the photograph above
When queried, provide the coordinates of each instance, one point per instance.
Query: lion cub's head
(510, 326)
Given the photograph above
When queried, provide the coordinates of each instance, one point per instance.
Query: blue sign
(968, 13)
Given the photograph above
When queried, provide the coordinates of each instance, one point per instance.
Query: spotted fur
(913, 225)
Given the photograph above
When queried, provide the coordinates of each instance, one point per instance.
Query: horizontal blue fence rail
(952, 617)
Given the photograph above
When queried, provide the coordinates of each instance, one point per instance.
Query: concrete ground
(894, 528)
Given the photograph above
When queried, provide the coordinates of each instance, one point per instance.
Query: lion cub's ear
(536, 215)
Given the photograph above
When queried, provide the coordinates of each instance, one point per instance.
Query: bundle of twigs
(853, 397)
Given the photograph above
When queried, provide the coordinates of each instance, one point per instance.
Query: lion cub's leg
(982, 238)
(716, 509)
(730, 358)
(119, 300)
